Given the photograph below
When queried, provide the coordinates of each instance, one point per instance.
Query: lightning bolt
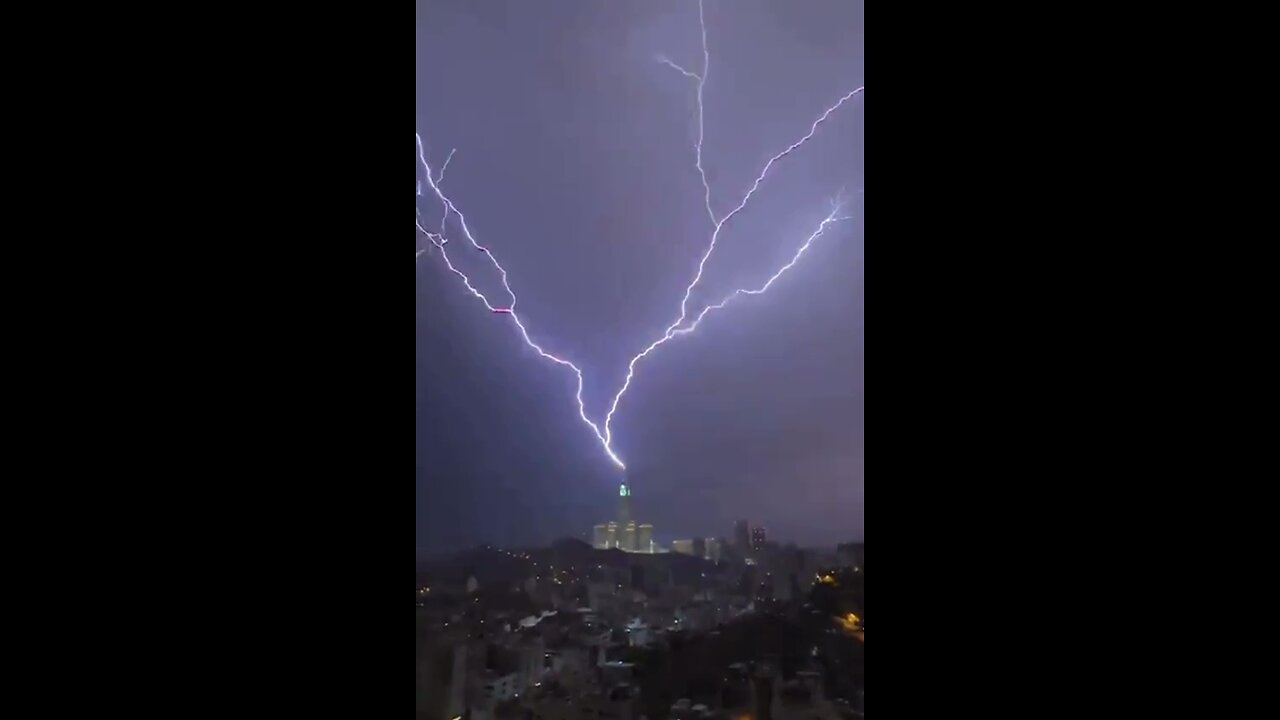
(822, 228)
(677, 328)
(438, 240)
(445, 166)
(718, 225)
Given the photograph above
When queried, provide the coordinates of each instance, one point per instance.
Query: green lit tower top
(624, 505)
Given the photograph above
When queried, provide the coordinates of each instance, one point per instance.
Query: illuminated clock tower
(624, 505)
(626, 526)
(624, 533)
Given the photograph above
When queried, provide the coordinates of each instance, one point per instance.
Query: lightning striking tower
(439, 239)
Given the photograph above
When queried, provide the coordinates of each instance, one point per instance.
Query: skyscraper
(626, 526)
(624, 504)
(742, 536)
(758, 538)
(624, 533)
(644, 539)
(713, 549)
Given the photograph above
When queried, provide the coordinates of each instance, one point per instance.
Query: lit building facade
(624, 533)
(644, 539)
(712, 549)
(684, 547)
(758, 538)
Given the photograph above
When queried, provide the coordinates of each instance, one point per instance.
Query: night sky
(575, 165)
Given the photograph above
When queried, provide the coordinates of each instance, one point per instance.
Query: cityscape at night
(639, 358)
(703, 628)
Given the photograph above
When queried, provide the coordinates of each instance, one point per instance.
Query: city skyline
(712, 541)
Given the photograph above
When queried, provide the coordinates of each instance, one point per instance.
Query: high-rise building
(850, 554)
(684, 547)
(624, 533)
(758, 538)
(644, 538)
(742, 535)
(624, 504)
(712, 549)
